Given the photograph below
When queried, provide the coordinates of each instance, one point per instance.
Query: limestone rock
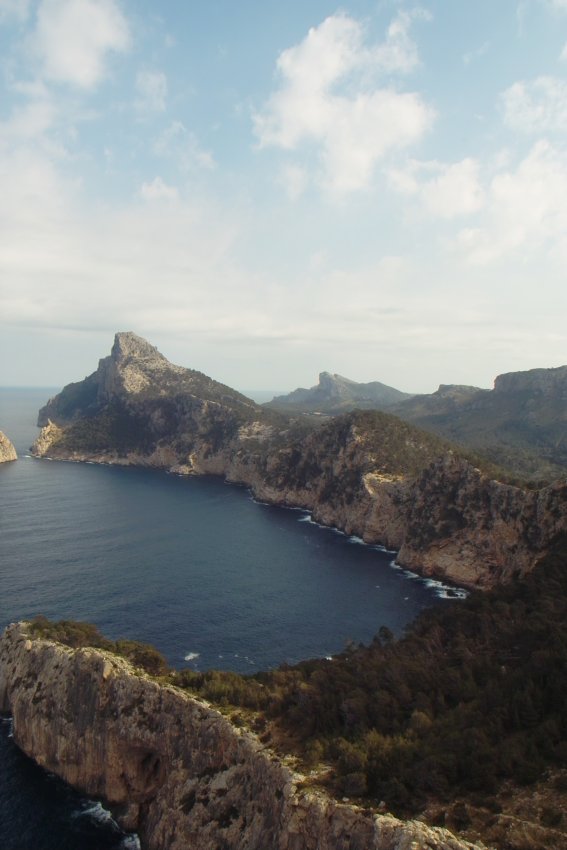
(7, 450)
(170, 766)
(48, 437)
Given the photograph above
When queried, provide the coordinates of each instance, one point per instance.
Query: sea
(194, 566)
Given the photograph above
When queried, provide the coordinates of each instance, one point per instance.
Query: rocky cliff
(7, 450)
(366, 473)
(170, 766)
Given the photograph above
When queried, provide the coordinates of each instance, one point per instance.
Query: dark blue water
(191, 565)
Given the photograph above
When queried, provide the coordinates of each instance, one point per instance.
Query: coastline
(272, 500)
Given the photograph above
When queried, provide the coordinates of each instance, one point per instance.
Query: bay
(192, 565)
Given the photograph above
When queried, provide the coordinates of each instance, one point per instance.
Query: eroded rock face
(170, 766)
(7, 450)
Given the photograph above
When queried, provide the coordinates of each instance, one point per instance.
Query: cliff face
(7, 450)
(366, 473)
(170, 766)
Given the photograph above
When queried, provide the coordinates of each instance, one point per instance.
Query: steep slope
(335, 394)
(520, 424)
(365, 472)
(172, 767)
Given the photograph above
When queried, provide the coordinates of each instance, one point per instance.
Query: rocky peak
(130, 346)
(334, 393)
(334, 386)
(133, 366)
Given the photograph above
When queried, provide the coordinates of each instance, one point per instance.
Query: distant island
(448, 513)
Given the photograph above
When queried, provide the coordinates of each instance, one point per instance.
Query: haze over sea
(191, 565)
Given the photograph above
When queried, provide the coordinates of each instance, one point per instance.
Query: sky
(267, 190)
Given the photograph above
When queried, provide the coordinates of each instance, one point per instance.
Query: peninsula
(368, 473)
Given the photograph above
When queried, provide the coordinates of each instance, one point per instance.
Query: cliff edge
(170, 766)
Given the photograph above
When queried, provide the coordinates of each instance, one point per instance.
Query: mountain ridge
(336, 394)
(519, 424)
(366, 472)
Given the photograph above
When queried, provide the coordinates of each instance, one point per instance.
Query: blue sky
(269, 190)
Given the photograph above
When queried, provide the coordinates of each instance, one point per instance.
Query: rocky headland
(366, 472)
(336, 394)
(7, 450)
(170, 766)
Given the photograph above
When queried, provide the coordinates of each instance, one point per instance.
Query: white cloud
(15, 9)
(478, 53)
(357, 126)
(453, 190)
(526, 210)
(73, 38)
(157, 190)
(28, 122)
(152, 90)
(139, 264)
(294, 180)
(536, 107)
(181, 144)
(399, 51)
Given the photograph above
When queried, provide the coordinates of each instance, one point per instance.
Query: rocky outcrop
(170, 766)
(366, 473)
(7, 450)
(48, 435)
(545, 383)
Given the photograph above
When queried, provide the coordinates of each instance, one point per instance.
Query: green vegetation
(74, 634)
(471, 697)
(80, 396)
(115, 428)
(523, 431)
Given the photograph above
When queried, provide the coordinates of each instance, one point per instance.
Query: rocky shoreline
(453, 523)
